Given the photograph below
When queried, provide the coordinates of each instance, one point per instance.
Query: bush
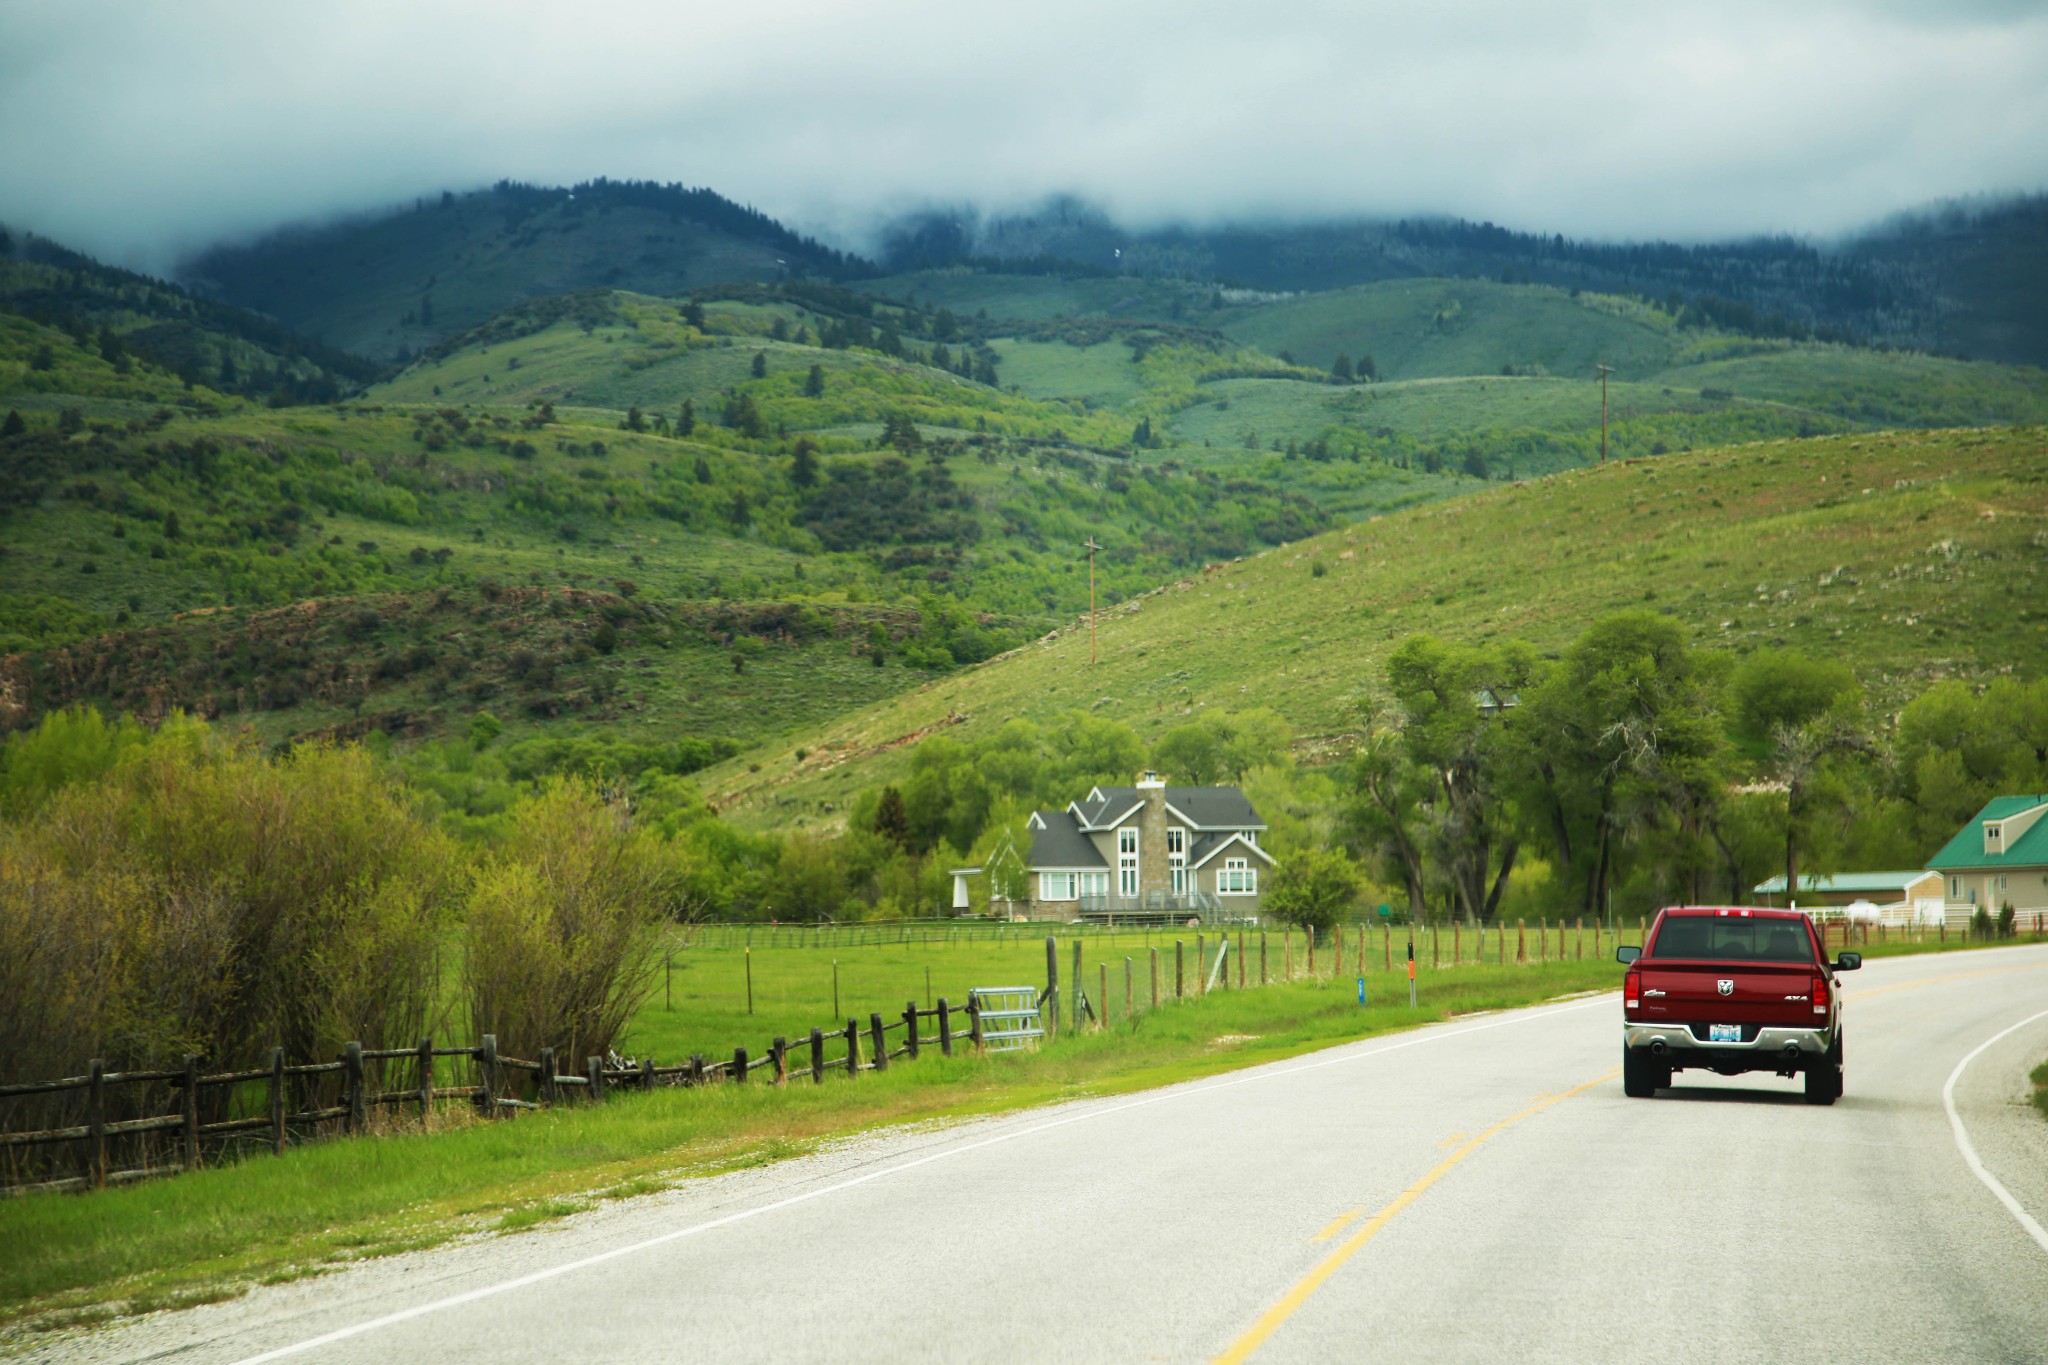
(200, 897)
(561, 932)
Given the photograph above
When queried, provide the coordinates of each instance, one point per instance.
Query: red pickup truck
(1731, 990)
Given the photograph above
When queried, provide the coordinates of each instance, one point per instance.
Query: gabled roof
(1844, 882)
(1195, 807)
(1057, 842)
(1208, 846)
(2029, 849)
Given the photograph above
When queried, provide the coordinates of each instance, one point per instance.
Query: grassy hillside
(1908, 556)
(394, 283)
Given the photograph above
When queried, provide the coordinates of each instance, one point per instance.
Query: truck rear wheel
(1639, 1075)
(1824, 1078)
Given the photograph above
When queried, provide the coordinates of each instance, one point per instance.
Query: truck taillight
(1820, 995)
(1632, 991)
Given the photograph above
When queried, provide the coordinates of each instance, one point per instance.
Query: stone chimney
(1153, 875)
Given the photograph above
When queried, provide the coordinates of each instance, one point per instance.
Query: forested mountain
(1960, 279)
(393, 283)
(117, 313)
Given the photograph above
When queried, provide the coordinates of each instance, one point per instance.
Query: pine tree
(803, 469)
(43, 359)
(892, 819)
(703, 470)
(1341, 369)
(14, 426)
(686, 421)
(814, 382)
(760, 365)
(693, 314)
(1366, 369)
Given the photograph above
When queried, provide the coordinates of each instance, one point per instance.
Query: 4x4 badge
(1725, 987)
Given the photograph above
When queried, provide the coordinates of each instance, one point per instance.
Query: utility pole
(1605, 370)
(1091, 547)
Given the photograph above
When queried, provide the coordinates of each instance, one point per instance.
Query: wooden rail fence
(273, 1106)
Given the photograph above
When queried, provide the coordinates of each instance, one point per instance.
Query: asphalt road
(1473, 1191)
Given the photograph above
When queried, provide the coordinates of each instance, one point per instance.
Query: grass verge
(2040, 1079)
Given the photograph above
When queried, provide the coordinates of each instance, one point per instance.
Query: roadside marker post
(1361, 992)
(1411, 971)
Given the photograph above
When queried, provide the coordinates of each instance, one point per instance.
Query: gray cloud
(140, 129)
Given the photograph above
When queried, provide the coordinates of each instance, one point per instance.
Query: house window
(1237, 878)
(1251, 836)
(1177, 859)
(1955, 888)
(1127, 862)
(1056, 886)
(1094, 883)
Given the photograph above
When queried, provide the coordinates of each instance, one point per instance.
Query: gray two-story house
(1150, 851)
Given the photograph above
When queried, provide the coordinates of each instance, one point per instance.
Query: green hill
(1909, 556)
(391, 284)
(128, 319)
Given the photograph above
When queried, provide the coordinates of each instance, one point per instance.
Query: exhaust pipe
(1791, 1052)
(1657, 1047)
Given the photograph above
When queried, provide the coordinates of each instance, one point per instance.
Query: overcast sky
(136, 129)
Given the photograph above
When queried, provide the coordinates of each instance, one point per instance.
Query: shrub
(561, 926)
(201, 897)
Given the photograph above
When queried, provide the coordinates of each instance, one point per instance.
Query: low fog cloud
(137, 130)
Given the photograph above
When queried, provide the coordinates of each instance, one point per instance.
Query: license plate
(1724, 1033)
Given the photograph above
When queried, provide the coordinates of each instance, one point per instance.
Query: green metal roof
(1844, 882)
(1966, 850)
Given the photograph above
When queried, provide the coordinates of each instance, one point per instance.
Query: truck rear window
(1733, 940)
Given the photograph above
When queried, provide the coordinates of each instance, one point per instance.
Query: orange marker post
(1411, 972)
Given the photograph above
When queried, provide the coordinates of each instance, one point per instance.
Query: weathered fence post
(1387, 945)
(1287, 955)
(647, 1073)
(277, 1100)
(593, 1075)
(487, 1076)
(945, 1028)
(1180, 954)
(548, 1095)
(739, 1065)
(779, 1049)
(852, 1047)
(425, 1069)
(1240, 959)
(358, 1116)
(1130, 988)
(1582, 938)
(974, 1034)
(1102, 1005)
(910, 1030)
(1079, 993)
(1262, 958)
(817, 1056)
(1311, 952)
(188, 1112)
(1052, 987)
(96, 1124)
(1155, 978)
(878, 1042)
(1457, 945)
(1201, 965)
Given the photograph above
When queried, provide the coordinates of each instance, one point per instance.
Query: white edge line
(1963, 1145)
(567, 1267)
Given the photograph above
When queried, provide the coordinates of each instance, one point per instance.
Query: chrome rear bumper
(1678, 1041)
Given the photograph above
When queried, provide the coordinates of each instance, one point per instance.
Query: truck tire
(1638, 1075)
(1824, 1078)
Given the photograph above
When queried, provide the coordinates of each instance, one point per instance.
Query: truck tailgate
(1769, 993)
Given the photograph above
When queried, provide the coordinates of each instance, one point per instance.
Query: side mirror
(1631, 954)
(1848, 962)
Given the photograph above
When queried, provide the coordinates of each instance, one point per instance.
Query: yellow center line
(1337, 1226)
(1456, 1138)
(1241, 1349)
